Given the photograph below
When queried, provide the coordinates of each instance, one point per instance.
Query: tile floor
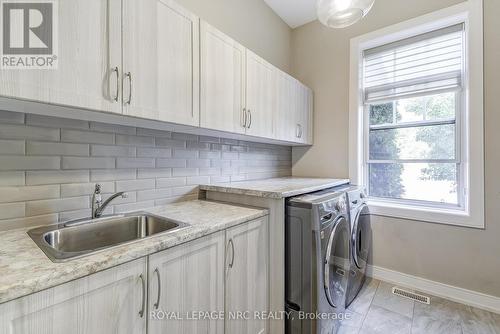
(377, 310)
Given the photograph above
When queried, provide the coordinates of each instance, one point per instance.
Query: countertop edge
(140, 249)
(270, 194)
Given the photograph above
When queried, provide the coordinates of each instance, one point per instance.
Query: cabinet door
(307, 118)
(186, 279)
(222, 81)
(286, 109)
(87, 44)
(260, 97)
(247, 278)
(303, 114)
(160, 61)
(102, 303)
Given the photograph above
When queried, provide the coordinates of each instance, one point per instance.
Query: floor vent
(411, 295)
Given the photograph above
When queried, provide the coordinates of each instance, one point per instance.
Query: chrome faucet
(98, 206)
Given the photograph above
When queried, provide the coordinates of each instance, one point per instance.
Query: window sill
(425, 214)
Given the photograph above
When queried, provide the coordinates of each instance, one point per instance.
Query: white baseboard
(456, 294)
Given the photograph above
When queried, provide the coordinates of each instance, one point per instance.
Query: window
(416, 119)
(412, 93)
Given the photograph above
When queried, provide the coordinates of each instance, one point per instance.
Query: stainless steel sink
(79, 238)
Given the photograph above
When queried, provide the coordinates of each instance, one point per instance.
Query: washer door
(337, 263)
(361, 237)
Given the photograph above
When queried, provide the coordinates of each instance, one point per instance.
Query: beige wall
(250, 22)
(458, 256)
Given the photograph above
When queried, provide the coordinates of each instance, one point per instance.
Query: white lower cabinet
(247, 277)
(111, 301)
(187, 281)
(182, 290)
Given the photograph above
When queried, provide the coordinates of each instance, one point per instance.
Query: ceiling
(294, 12)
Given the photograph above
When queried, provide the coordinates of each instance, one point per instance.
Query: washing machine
(361, 240)
(317, 261)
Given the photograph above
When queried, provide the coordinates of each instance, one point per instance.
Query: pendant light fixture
(342, 13)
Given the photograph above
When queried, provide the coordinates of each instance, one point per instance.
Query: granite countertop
(275, 188)
(25, 269)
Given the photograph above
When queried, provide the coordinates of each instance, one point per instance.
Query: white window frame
(469, 122)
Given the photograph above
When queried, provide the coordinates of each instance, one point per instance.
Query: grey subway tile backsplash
(152, 173)
(12, 162)
(34, 178)
(11, 117)
(12, 210)
(49, 166)
(81, 189)
(56, 122)
(135, 163)
(112, 151)
(134, 140)
(113, 128)
(12, 178)
(153, 152)
(22, 194)
(145, 195)
(51, 148)
(171, 163)
(34, 208)
(11, 131)
(167, 142)
(98, 175)
(135, 185)
(76, 136)
(170, 182)
(87, 163)
(12, 147)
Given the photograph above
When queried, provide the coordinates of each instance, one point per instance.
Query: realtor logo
(29, 35)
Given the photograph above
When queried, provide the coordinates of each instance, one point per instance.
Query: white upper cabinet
(155, 60)
(286, 109)
(261, 96)
(222, 81)
(293, 110)
(303, 114)
(160, 61)
(87, 44)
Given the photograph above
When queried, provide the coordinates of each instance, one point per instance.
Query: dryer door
(361, 237)
(337, 263)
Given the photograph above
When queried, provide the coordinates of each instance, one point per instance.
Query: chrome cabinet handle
(231, 264)
(129, 76)
(157, 304)
(244, 118)
(143, 305)
(249, 118)
(116, 70)
(297, 131)
(300, 130)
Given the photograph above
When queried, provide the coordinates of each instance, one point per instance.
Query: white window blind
(429, 63)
